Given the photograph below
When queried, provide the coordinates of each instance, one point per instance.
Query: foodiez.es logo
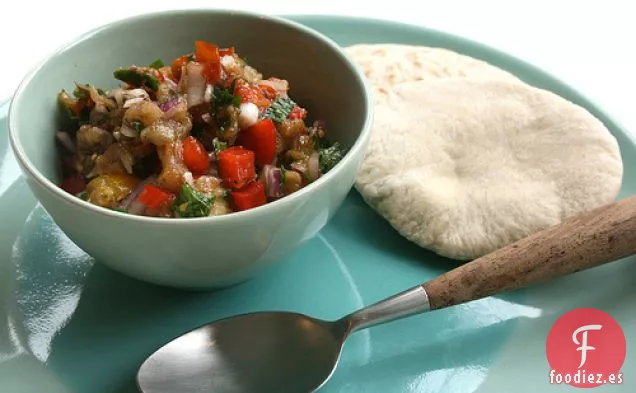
(586, 348)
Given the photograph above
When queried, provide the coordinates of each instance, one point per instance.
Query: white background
(588, 44)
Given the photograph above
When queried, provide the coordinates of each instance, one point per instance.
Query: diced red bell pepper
(250, 196)
(195, 156)
(206, 52)
(177, 65)
(261, 139)
(236, 166)
(250, 93)
(74, 184)
(154, 197)
(208, 55)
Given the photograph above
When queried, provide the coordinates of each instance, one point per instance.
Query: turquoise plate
(68, 325)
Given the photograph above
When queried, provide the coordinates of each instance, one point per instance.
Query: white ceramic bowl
(195, 253)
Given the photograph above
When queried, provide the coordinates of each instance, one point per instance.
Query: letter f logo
(584, 347)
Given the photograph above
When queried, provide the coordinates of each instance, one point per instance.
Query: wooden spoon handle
(587, 240)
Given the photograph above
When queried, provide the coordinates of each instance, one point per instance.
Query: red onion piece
(133, 101)
(207, 95)
(313, 167)
(128, 131)
(195, 83)
(66, 141)
(171, 103)
(171, 85)
(175, 106)
(273, 181)
(298, 166)
(135, 207)
(135, 93)
(131, 204)
(127, 159)
(118, 95)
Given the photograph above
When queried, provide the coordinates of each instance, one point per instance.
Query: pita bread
(387, 65)
(465, 166)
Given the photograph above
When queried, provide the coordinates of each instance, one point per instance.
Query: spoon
(293, 353)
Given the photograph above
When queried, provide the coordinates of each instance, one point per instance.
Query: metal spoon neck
(404, 304)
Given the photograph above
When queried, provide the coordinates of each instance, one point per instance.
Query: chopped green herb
(137, 126)
(101, 92)
(136, 78)
(156, 64)
(330, 156)
(192, 203)
(120, 209)
(191, 57)
(283, 172)
(224, 97)
(218, 145)
(280, 109)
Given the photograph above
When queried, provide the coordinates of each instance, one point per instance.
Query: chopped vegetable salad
(205, 135)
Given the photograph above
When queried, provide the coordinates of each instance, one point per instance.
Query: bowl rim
(356, 148)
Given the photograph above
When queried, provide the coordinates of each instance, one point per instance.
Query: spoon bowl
(294, 353)
(258, 352)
